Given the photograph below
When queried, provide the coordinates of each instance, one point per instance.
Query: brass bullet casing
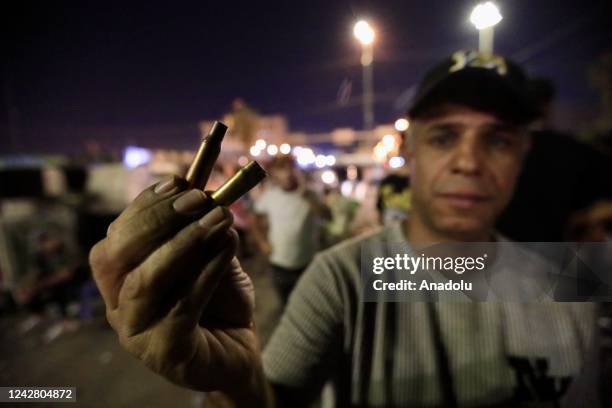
(236, 186)
(206, 156)
(239, 184)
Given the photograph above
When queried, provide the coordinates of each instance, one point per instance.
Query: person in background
(561, 176)
(593, 224)
(57, 279)
(393, 202)
(288, 223)
(343, 210)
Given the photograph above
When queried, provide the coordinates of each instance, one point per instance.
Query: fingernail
(192, 201)
(165, 185)
(214, 217)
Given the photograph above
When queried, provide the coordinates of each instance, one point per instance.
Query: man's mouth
(464, 200)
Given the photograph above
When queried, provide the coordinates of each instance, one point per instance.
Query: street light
(364, 33)
(285, 148)
(272, 150)
(484, 17)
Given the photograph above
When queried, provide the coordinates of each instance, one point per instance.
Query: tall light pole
(484, 17)
(365, 35)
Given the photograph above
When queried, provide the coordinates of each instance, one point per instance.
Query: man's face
(464, 165)
(284, 175)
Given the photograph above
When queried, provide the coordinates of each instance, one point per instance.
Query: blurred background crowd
(60, 189)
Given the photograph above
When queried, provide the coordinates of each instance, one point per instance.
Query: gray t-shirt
(426, 354)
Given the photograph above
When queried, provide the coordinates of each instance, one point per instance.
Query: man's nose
(467, 159)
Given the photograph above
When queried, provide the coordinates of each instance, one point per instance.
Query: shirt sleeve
(304, 351)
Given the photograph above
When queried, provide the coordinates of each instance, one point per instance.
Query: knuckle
(112, 227)
(97, 256)
(154, 218)
(142, 201)
(123, 251)
(190, 237)
(118, 221)
(115, 256)
(133, 285)
(145, 196)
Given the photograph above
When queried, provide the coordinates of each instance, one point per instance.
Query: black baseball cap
(486, 82)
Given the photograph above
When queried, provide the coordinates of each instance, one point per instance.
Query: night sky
(147, 73)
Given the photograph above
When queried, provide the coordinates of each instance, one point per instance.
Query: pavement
(89, 357)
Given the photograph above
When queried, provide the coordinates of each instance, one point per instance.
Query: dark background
(137, 72)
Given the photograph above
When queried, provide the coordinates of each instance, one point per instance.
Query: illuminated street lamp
(484, 17)
(364, 33)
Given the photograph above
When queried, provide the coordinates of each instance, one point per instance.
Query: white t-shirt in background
(293, 227)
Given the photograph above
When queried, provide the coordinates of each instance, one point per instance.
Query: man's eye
(441, 139)
(500, 140)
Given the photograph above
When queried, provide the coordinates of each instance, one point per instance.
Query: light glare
(485, 15)
(136, 156)
(363, 32)
(328, 177)
(305, 156)
(389, 142)
(380, 152)
(285, 148)
(401, 124)
(272, 150)
(396, 162)
(320, 161)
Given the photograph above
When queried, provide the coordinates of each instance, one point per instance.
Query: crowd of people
(483, 164)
